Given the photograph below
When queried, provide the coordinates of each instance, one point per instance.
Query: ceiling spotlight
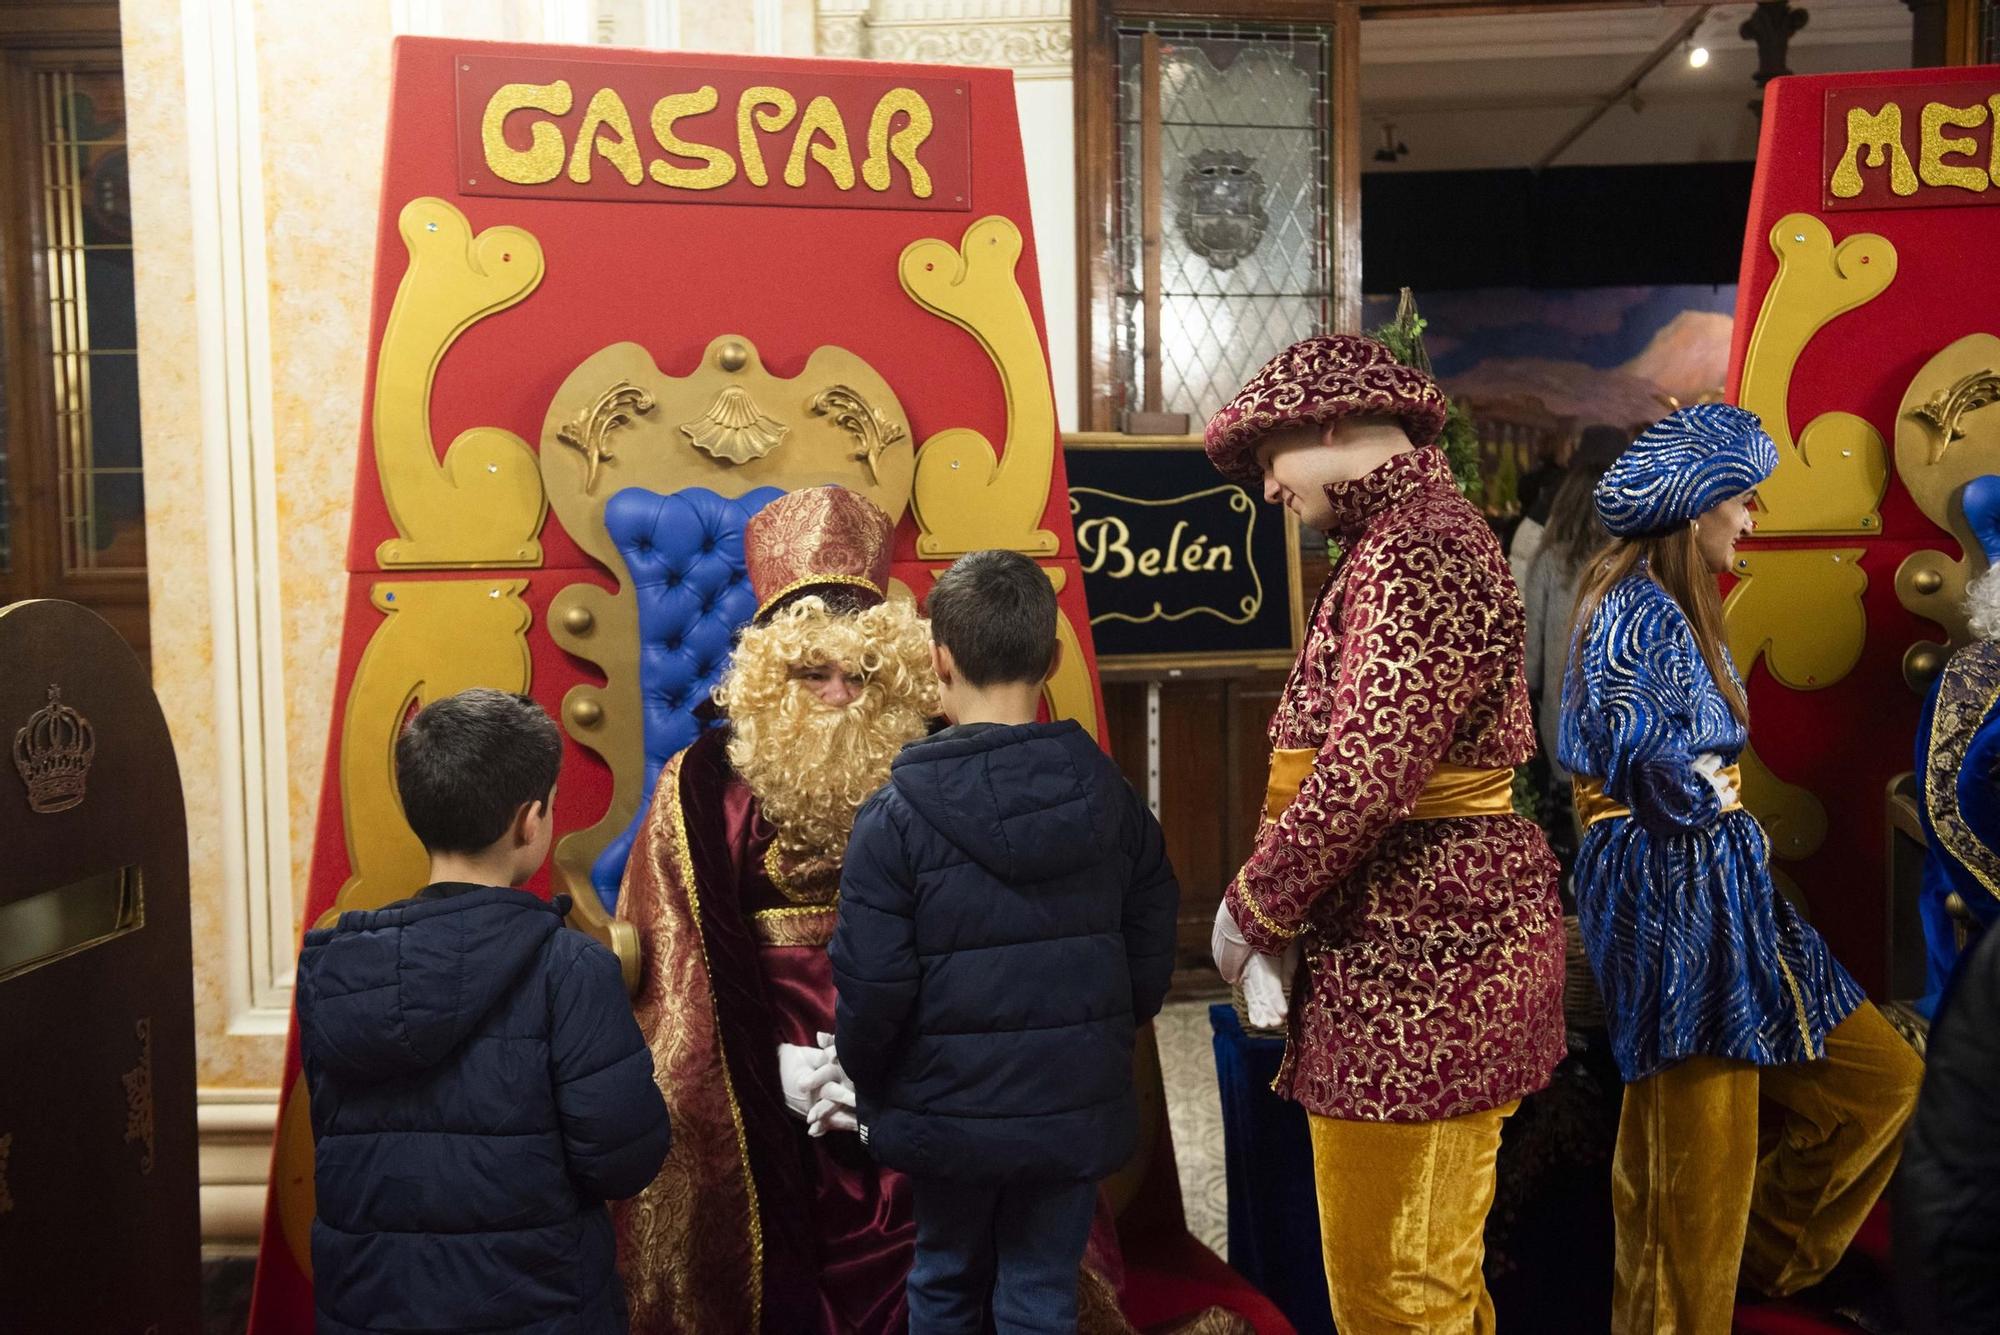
(1392, 147)
(1698, 56)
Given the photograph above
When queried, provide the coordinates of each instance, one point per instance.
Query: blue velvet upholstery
(684, 560)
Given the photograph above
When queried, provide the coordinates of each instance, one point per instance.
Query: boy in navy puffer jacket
(479, 1087)
(1006, 923)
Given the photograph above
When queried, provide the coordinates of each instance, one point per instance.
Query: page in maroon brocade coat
(1431, 977)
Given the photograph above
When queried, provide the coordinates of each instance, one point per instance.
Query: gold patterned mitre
(819, 539)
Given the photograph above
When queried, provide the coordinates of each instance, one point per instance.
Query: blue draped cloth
(1694, 952)
(1267, 1163)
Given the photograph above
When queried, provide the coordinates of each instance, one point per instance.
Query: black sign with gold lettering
(1181, 568)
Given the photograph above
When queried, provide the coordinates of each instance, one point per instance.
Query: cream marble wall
(323, 71)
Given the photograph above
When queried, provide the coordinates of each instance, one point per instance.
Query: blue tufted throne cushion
(684, 560)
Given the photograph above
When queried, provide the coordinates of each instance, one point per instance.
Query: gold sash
(1453, 790)
(1593, 804)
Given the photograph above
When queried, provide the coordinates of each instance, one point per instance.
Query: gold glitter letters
(903, 144)
(719, 170)
(822, 118)
(543, 159)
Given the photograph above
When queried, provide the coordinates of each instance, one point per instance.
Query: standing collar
(1355, 504)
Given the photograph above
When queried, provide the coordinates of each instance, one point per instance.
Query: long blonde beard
(811, 764)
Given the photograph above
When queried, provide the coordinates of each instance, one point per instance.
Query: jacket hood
(1015, 799)
(395, 991)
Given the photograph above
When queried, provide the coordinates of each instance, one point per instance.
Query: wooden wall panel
(1213, 758)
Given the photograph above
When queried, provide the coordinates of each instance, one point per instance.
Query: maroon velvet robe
(752, 1226)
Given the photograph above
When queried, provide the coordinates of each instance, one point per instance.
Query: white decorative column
(1032, 38)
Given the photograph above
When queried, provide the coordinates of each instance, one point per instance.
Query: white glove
(1710, 767)
(1267, 987)
(833, 1095)
(797, 1067)
(834, 1111)
(1232, 953)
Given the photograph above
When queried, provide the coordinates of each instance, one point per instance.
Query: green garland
(1404, 336)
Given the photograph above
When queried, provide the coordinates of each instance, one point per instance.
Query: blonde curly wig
(812, 764)
(1982, 604)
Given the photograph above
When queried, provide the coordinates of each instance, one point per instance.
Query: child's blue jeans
(1015, 1249)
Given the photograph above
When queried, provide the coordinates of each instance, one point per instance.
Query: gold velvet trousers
(1700, 1202)
(1402, 1222)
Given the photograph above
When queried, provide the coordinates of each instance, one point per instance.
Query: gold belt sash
(1593, 804)
(1453, 790)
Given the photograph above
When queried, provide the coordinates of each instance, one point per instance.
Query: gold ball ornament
(586, 713)
(732, 356)
(578, 621)
(1927, 581)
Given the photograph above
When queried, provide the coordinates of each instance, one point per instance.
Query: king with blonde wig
(812, 764)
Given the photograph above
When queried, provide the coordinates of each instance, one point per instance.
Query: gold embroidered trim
(806, 582)
(1798, 997)
(1798, 1001)
(1941, 775)
(685, 861)
(1263, 919)
(808, 926)
(774, 868)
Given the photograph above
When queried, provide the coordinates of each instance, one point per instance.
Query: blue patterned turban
(1682, 466)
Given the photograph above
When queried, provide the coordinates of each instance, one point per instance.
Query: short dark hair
(467, 763)
(996, 612)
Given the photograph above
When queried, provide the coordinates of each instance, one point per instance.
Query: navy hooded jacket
(479, 1090)
(1006, 922)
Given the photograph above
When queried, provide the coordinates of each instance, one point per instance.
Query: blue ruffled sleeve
(1646, 661)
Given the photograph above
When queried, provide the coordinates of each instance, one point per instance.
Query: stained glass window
(1224, 155)
(87, 243)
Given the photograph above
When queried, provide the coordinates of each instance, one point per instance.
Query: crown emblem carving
(53, 753)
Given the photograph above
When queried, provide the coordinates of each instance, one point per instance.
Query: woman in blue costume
(1718, 993)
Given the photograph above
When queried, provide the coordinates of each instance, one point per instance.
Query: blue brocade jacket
(1695, 953)
(1958, 797)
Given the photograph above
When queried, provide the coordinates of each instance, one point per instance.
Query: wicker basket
(1242, 1010)
(1583, 1006)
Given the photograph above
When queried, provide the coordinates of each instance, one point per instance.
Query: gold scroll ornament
(139, 1096)
(1801, 610)
(968, 497)
(438, 637)
(1833, 478)
(482, 506)
(1765, 616)
(1947, 434)
(729, 426)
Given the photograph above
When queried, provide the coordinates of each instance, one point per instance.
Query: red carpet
(1863, 1274)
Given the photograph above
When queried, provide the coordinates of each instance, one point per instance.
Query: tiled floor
(1194, 1111)
(225, 1294)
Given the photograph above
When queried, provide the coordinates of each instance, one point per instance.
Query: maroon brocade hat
(815, 541)
(1316, 381)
